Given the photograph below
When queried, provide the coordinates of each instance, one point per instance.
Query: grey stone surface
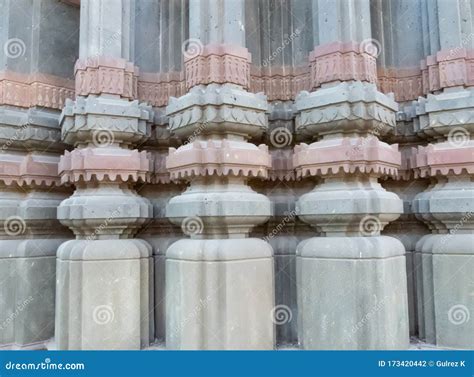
(220, 294)
(351, 296)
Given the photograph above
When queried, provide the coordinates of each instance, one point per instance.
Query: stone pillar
(104, 276)
(446, 302)
(351, 288)
(161, 24)
(219, 282)
(35, 79)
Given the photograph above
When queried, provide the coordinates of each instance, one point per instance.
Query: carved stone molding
(32, 169)
(219, 157)
(342, 62)
(104, 164)
(218, 64)
(280, 83)
(156, 88)
(103, 75)
(23, 90)
(448, 68)
(405, 84)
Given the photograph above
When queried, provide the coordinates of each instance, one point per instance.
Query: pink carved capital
(31, 169)
(448, 68)
(99, 74)
(349, 155)
(217, 64)
(218, 157)
(339, 61)
(104, 164)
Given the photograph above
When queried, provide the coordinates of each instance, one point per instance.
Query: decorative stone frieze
(339, 61)
(104, 75)
(217, 64)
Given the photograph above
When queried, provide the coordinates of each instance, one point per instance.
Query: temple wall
(236, 174)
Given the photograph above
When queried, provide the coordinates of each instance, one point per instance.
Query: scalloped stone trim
(218, 157)
(443, 159)
(31, 169)
(351, 155)
(104, 164)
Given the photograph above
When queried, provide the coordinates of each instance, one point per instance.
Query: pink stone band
(367, 155)
(218, 158)
(104, 164)
(31, 170)
(218, 64)
(42, 90)
(341, 62)
(97, 75)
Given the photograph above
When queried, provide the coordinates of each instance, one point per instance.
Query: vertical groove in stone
(35, 79)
